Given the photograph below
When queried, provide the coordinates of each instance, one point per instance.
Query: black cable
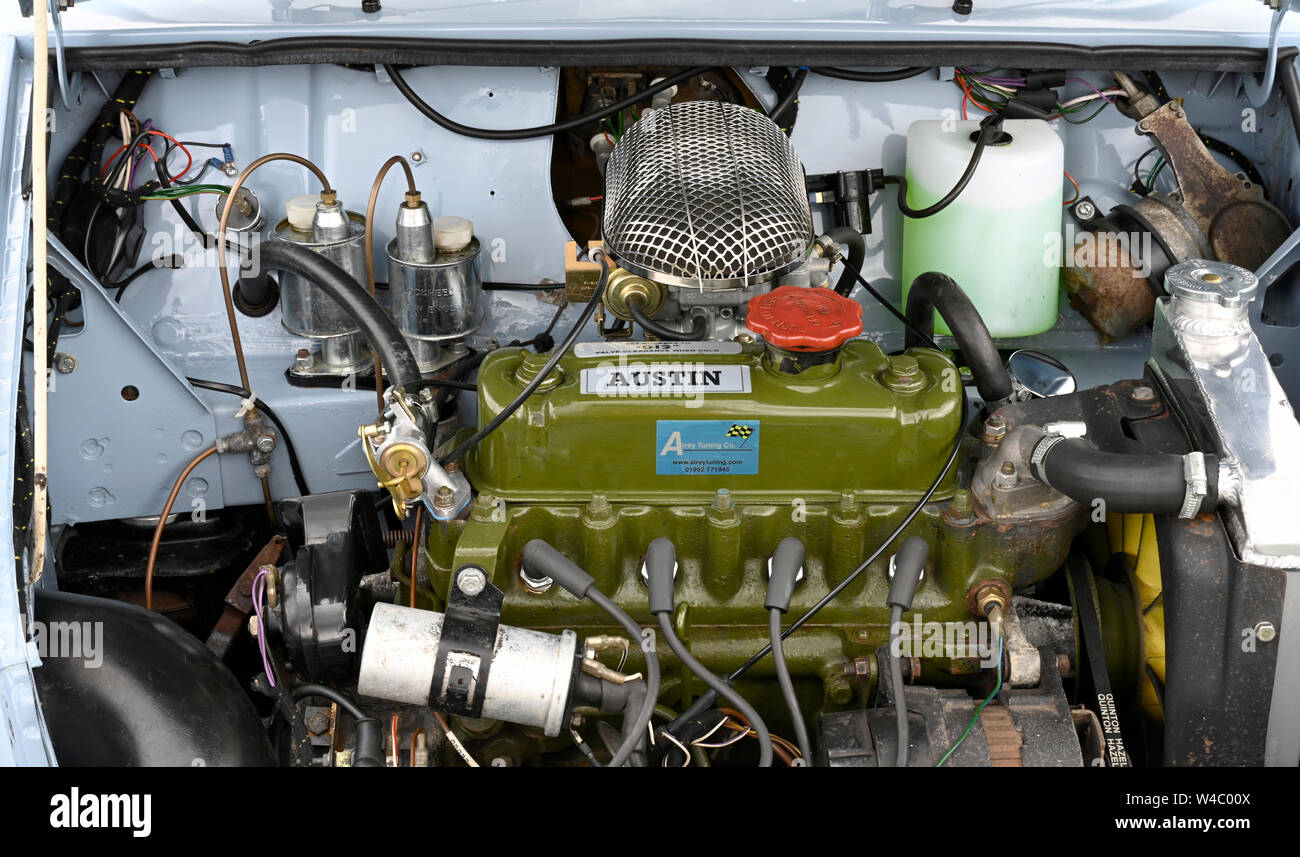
(719, 687)
(790, 97)
(298, 476)
(707, 700)
(699, 325)
(926, 337)
(556, 355)
(120, 285)
(990, 130)
(871, 76)
(302, 691)
(787, 685)
(541, 130)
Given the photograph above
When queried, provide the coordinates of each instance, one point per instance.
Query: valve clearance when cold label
(706, 447)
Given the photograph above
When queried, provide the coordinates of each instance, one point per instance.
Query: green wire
(1155, 173)
(978, 711)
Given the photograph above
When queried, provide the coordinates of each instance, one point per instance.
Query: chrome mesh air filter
(706, 194)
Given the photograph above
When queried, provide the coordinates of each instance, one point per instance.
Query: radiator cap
(801, 318)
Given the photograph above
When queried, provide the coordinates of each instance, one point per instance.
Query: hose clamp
(1041, 449)
(1197, 484)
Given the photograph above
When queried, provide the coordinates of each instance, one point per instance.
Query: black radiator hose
(857, 244)
(376, 326)
(1125, 482)
(934, 291)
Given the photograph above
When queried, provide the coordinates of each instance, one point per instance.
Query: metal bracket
(466, 648)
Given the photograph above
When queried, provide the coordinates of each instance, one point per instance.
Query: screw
(417, 157)
(1008, 468)
(266, 442)
(444, 500)
(471, 581)
(744, 338)
(303, 359)
(66, 364)
(722, 500)
(1143, 394)
(1265, 632)
(426, 395)
(1085, 210)
(1006, 476)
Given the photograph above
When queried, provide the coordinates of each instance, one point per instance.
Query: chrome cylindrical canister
(339, 236)
(438, 298)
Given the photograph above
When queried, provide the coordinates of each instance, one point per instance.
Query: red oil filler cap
(802, 318)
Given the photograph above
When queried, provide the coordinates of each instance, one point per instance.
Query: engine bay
(658, 416)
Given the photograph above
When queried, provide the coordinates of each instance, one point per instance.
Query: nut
(535, 584)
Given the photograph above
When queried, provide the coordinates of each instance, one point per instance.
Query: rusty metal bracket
(239, 600)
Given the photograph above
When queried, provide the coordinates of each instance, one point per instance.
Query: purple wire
(259, 594)
(1090, 86)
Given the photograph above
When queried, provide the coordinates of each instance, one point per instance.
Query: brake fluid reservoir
(999, 238)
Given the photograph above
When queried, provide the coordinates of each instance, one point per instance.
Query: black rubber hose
(1125, 482)
(787, 685)
(541, 130)
(376, 325)
(871, 76)
(531, 387)
(990, 129)
(857, 244)
(933, 291)
(719, 687)
(699, 326)
(790, 97)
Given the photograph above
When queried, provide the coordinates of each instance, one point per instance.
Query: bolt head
(266, 442)
(1143, 394)
(1085, 210)
(65, 364)
(1265, 632)
(471, 581)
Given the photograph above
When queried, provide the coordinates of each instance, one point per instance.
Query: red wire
(965, 99)
(1077, 192)
(109, 162)
(189, 159)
